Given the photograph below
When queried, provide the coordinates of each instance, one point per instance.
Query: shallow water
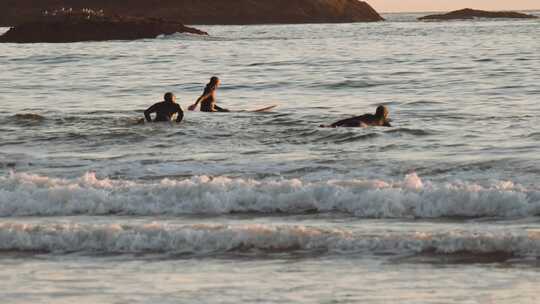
(441, 208)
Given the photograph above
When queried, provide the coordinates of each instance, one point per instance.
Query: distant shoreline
(537, 11)
(443, 11)
(201, 12)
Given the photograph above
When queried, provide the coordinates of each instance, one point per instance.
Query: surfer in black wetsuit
(208, 98)
(379, 119)
(165, 110)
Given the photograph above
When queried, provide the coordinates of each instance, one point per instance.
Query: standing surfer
(165, 110)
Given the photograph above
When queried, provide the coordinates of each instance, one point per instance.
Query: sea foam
(219, 239)
(23, 194)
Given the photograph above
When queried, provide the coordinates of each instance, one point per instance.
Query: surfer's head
(214, 82)
(381, 112)
(169, 97)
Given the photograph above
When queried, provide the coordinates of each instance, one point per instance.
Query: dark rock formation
(87, 25)
(13, 12)
(471, 14)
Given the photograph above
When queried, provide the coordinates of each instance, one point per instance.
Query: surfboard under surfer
(380, 118)
(165, 109)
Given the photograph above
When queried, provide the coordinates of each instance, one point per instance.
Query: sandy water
(266, 207)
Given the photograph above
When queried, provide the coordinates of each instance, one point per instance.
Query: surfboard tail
(265, 109)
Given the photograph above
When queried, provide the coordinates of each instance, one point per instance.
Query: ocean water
(267, 207)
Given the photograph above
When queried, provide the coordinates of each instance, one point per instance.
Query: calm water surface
(267, 207)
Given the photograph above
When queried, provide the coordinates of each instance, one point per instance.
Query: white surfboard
(265, 109)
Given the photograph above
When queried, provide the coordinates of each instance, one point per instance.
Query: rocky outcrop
(87, 25)
(471, 14)
(13, 12)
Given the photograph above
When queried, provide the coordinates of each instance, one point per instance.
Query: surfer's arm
(179, 115)
(149, 111)
(194, 106)
(202, 97)
(387, 124)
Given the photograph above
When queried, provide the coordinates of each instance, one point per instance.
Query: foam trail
(24, 194)
(218, 239)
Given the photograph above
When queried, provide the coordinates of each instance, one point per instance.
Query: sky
(449, 5)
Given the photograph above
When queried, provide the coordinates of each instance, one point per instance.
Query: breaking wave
(220, 239)
(23, 194)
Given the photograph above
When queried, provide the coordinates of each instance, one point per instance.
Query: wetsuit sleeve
(387, 124)
(357, 120)
(149, 111)
(219, 109)
(180, 114)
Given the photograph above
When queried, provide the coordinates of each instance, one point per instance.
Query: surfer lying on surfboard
(208, 98)
(379, 119)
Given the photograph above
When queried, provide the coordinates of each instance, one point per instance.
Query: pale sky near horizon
(449, 5)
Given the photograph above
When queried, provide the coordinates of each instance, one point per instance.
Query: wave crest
(23, 194)
(219, 239)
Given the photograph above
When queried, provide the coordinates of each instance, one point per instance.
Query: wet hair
(381, 112)
(168, 96)
(213, 82)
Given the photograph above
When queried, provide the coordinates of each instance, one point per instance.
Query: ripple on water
(445, 103)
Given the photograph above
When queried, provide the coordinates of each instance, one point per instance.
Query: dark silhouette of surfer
(165, 110)
(380, 118)
(208, 98)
